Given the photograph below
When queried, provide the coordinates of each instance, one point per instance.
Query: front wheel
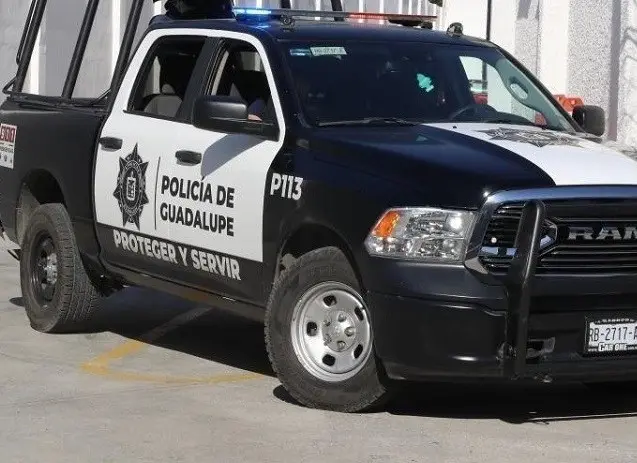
(319, 335)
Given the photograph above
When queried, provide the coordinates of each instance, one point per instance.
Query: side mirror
(590, 118)
(228, 114)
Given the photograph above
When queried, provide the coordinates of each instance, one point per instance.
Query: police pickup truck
(342, 182)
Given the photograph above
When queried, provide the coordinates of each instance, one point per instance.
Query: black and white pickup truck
(342, 182)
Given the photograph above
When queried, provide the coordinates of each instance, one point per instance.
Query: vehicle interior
(241, 74)
(167, 77)
(370, 82)
(419, 83)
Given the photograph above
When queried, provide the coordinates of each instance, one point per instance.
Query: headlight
(425, 234)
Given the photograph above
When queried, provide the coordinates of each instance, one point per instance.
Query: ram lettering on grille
(605, 233)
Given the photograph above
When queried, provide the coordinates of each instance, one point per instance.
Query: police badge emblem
(131, 188)
(537, 138)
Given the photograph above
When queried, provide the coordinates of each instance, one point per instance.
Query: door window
(166, 75)
(242, 75)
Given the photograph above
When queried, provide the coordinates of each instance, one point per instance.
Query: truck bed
(54, 149)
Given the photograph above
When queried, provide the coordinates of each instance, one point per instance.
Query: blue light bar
(288, 14)
(252, 11)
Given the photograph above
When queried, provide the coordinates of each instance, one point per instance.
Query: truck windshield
(354, 82)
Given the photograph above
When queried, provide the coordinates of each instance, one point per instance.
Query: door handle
(188, 157)
(111, 143)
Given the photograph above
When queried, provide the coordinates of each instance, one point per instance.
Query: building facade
(585, 48)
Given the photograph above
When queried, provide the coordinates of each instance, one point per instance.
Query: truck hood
(459, 164)
(566, 159)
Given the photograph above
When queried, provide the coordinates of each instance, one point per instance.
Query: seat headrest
(251, 85)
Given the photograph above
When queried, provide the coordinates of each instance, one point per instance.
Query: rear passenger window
(161, 86)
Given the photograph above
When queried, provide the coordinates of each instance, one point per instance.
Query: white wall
(471, 13)
(504, 15)
(554, 43)
(626, 81)
(12, 16)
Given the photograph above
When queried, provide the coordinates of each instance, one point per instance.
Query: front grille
(559, 255)
(503, 227)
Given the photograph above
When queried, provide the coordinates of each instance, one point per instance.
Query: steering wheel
(477, 108)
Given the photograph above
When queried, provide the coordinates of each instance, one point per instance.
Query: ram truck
(341, 182)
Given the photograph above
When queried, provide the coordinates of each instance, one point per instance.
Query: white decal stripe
(582, 163)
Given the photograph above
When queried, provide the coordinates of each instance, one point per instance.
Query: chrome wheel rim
(331, 332)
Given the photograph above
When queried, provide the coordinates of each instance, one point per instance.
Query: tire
(70, 298)
(323, 275)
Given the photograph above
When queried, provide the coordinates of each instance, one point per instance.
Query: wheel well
(308, 238)
(39, 187)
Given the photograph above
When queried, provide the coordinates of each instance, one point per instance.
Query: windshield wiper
(370, 121)
(554, 128)
(504, 120)
(516, 121)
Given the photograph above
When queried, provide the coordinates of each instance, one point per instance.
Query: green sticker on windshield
(425, 82)
(328, 51)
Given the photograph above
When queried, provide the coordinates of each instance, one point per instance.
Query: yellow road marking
(101, 365)
(168, 379)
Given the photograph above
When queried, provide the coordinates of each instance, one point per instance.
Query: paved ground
(201, 391)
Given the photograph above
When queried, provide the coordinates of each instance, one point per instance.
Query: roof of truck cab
(326, 30)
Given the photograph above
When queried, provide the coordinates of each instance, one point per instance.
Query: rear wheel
(58, 294)
(319, 335)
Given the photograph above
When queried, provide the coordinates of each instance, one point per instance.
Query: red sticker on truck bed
(8, 135)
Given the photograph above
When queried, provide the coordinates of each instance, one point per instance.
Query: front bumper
(419, 339)
(448, 323)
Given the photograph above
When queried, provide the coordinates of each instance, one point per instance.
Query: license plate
(611, 336)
